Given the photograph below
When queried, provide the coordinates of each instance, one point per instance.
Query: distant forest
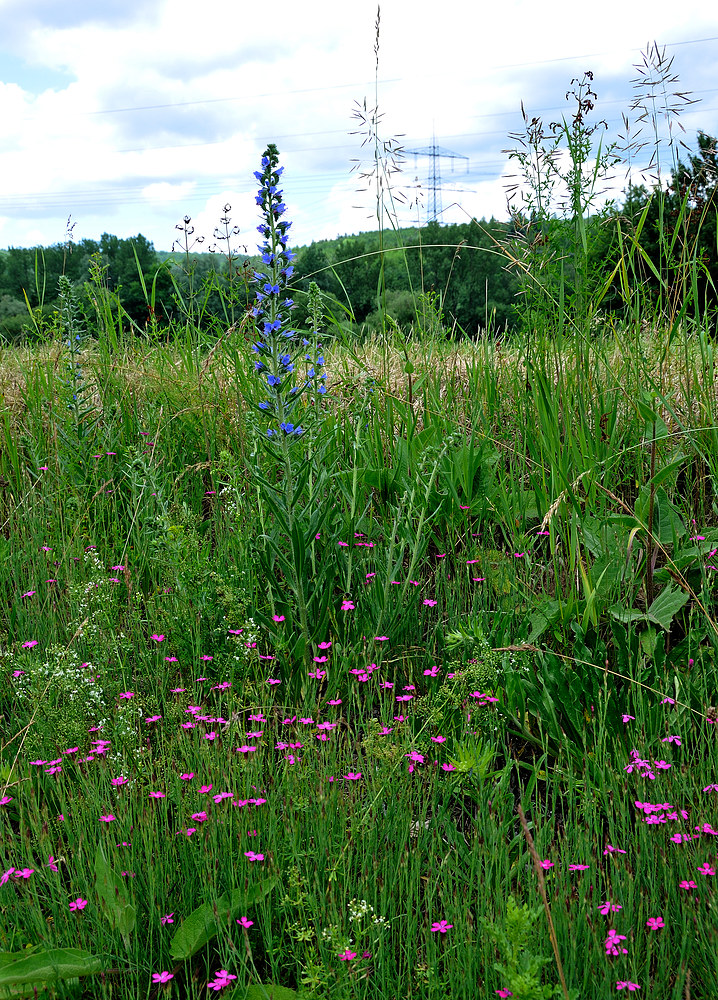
(459, 276)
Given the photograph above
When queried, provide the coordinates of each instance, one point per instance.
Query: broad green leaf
(668, 603)
(669, 470)
(654, 424)
(622, 614)
(48, 966)
(113, 897)
(268, 991)
(203, 923)
(667, 522)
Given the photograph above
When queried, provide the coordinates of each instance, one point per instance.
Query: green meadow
(368, 664)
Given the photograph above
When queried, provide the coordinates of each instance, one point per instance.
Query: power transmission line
(435, 153)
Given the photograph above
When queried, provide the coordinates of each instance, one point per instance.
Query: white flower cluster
(126, 740)
(62, 677)
(246, 642)
(231, 500)
(360, 909)
(95, 617)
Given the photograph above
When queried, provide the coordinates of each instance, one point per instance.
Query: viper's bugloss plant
(291, 490)
(277, 345)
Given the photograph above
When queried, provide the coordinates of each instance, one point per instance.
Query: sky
(126, 116)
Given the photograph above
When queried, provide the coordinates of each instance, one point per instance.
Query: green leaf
(48, 966)
(113, 897)
(269, 991)
(654, 424)
(667, 522)
(668, 603)
(622, 614)
(206, 921)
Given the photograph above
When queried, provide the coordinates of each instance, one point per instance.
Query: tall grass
(487, 768)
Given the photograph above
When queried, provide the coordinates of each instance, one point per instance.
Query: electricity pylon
(434, 152)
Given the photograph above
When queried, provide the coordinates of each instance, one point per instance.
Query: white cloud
(168, 106)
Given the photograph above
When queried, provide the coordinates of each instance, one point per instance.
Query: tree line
(458, 277)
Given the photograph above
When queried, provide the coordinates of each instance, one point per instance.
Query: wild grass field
(353, 667)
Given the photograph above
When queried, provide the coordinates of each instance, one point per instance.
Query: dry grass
(451, 374)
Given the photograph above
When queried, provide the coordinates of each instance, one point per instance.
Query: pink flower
(127, 694)
(168, 918)
(609, 908)
(245, 922)
(223, 979)
(29, 644)
(629, 986)
(654, 923)
(107, 819)
(429, 603)
(253, 857)
(157, 638)
(347, 606)
(685, 884)
(546, 864)
(347, 956)
(612, 943)
(706, 870)
(162, 977)
(78, 904)
(441, 927)
(504, 993)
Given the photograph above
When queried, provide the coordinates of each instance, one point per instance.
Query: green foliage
(520, 967)
(205, 922)
(65, 698)
(113, 897)
(469, 649)
(36, 968)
